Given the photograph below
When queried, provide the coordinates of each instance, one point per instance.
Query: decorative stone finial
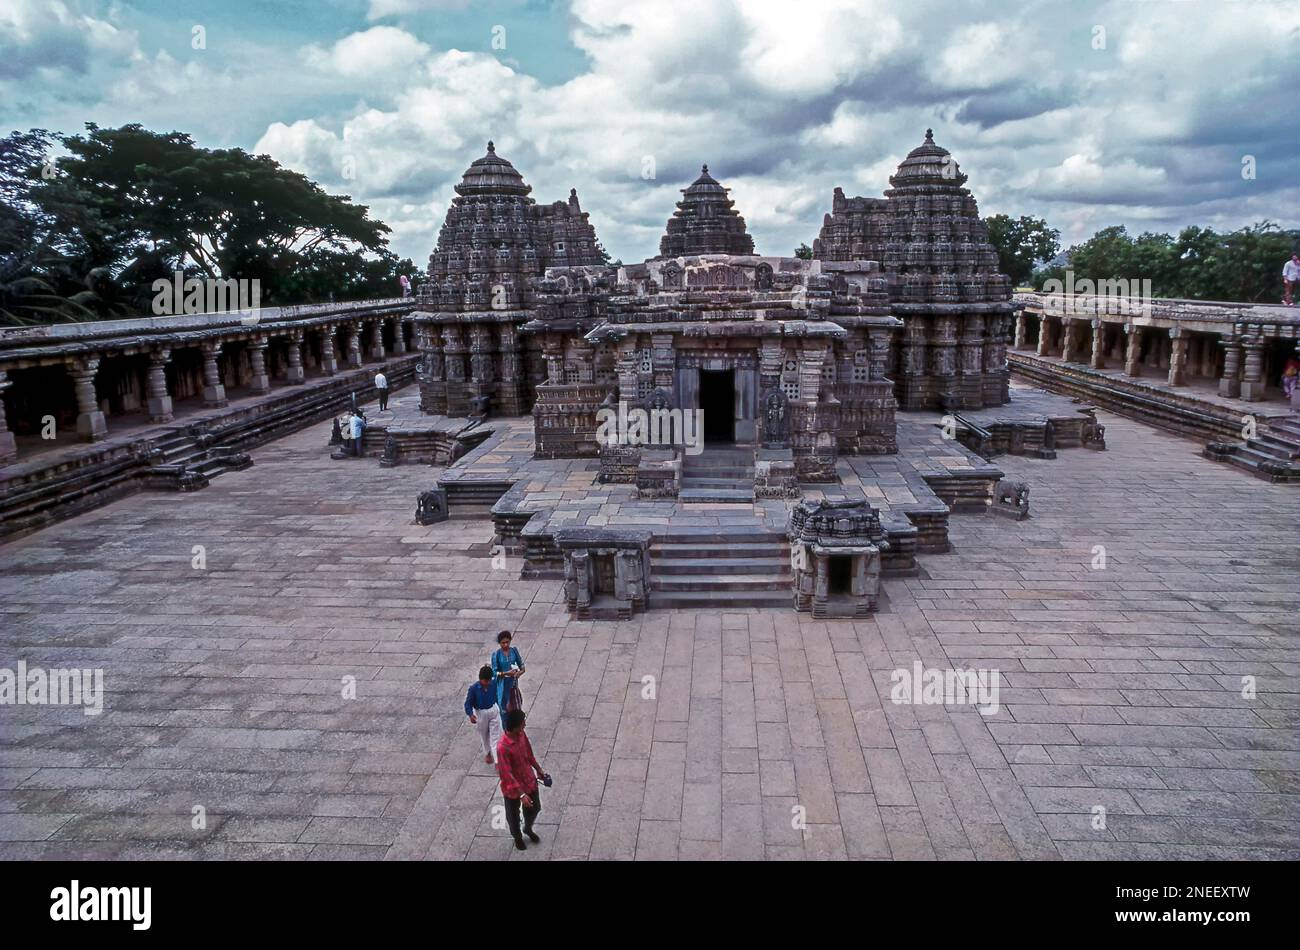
(573, 192)
(929, 136)
(492, 149)
(704, 170)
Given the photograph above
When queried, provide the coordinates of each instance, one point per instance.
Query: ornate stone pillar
(1044, 334)
(157, 400)
(399, 337)
(1252, 381)
(1177, 357)
(214, 394)
(1133, 351)
(1019, 343)
(1069, 339)
(377, 350)
(1230, 382)
(329, 354)
(8, 447)
(91, 425)
(1098, 360)
(353, 332)
(261, 382)
(295, 373)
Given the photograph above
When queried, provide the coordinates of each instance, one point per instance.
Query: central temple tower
(705, 222)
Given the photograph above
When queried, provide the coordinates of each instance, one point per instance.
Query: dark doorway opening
(718, 404)
(839, 575)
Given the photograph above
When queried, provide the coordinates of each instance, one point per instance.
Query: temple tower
(705, 222)
(495, 243)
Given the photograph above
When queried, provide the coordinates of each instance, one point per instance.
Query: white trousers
(488, 728)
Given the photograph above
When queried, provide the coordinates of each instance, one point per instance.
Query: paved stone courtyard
(1121, 687)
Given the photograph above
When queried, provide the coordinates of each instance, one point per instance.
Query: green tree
(1200, 264)
(127, 206)
(1021, 243)
(38, 284)
(803, 252)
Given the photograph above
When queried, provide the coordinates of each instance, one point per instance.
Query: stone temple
(902, 306)
(791, 365)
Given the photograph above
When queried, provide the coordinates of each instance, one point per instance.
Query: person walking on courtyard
(1290, 279)
(381, 384)
(507, 667)
(481, 707)
(519, 772)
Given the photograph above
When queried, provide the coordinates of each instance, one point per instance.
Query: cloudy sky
(1135, 112)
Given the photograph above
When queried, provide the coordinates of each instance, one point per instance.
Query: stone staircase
(729, 566)
(719, 474)
(183, 451)
(1272, 455)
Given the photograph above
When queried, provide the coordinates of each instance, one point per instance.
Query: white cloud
(378, 51)
(783, 106)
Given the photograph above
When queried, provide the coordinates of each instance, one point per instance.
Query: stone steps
(689, 494)
(720, 549)
(732, 566)
(746, 566)
(1287, 427)
(1278, 446)
(718, 475)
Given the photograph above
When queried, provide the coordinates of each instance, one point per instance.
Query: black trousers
(513, 809)
(383, 397)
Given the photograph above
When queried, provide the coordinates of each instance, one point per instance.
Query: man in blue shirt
(481, 707)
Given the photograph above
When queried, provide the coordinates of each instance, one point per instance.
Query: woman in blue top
(507, 667)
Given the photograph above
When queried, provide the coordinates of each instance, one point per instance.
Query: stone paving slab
(303, 687)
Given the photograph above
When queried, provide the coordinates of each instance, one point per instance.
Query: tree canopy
(86, 234)
(1200, 264)
(1022, 244)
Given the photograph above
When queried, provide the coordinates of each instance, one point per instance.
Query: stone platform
(530, 499)
(1121, 683)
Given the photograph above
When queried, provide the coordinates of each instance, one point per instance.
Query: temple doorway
(717, 403)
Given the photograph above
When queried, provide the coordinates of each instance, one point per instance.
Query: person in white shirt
(381, 384)
(1290, 279)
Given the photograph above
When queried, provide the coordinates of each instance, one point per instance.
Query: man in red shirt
(519, 771)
